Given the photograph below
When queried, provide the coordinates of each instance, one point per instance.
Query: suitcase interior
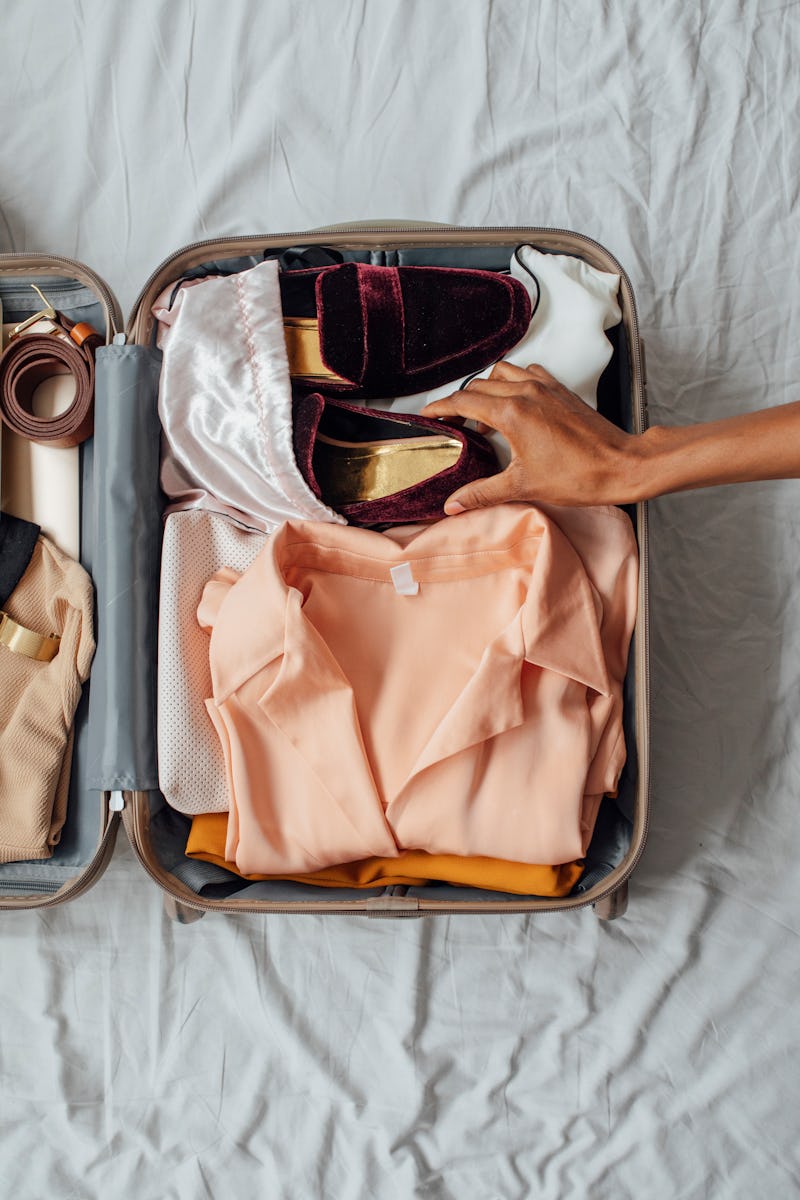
(87, 838)
(115, 755)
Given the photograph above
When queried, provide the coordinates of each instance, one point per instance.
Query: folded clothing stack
(454, 688)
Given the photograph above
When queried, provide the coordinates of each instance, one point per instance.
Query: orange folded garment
(412, 867)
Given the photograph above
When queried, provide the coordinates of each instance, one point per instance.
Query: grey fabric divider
(127, 540)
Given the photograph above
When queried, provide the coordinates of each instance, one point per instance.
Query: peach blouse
(454, 688)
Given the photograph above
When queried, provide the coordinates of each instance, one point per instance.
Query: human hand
(563, 452)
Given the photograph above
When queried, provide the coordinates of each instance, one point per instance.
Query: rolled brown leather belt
(30, 359)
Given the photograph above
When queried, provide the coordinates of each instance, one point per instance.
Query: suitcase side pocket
(127, 540)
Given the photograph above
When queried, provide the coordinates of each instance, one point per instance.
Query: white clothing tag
(404, 582)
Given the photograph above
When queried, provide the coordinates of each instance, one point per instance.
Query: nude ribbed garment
(38, 702)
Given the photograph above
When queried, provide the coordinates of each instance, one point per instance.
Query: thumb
(496, 489)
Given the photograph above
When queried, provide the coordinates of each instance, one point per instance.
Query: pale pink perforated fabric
(197, 543)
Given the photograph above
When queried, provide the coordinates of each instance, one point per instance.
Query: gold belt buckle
(47, 313)
(20, 640)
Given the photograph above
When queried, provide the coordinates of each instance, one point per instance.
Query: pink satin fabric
(225, 402)
(480, 716)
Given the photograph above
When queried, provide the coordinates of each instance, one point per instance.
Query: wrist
(663, 459)
(654, 460)
(630, 471)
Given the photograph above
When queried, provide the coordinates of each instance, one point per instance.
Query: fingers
(477, 401)
(535, 384)
(501, 401)
(461, 404)
(496, 489)
(506, 371)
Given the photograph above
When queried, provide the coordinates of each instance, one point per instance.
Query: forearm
(564, 452)
(759, 445)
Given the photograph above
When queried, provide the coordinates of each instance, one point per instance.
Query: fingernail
(453, 508)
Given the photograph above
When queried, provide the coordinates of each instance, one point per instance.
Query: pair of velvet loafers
(362, 331)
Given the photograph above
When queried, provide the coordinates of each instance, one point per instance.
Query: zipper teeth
(644, 652)
(87, 878)
(113, 309)
(10, 886)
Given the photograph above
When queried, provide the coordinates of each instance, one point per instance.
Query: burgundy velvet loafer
(368, 331)
(380, 468)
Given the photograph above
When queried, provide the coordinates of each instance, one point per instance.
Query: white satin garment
(225, 402)
(566, 336)
(197, 544)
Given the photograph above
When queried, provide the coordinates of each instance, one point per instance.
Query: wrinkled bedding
(489, 1058)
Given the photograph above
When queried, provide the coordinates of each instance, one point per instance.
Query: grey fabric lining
(67, 295)
(168, 833)
(284, 891)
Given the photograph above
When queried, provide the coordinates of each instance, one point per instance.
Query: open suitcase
(114, 770)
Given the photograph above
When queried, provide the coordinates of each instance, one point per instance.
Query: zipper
(643, 659)
(87, 878)
(32, 263)
(15, 885)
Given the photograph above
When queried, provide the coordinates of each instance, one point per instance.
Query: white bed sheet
(472, 1057)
